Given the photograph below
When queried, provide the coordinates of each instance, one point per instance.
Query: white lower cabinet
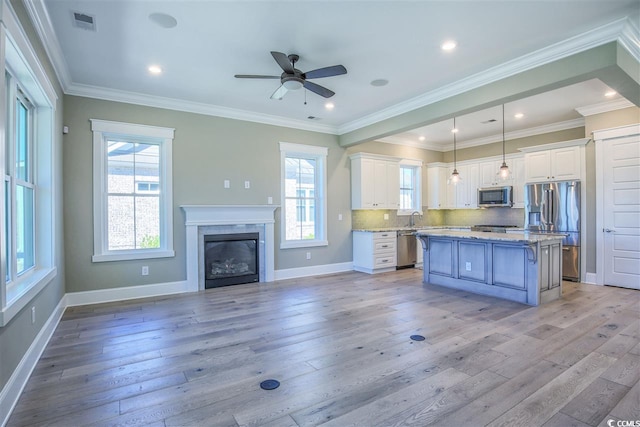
(374, 252)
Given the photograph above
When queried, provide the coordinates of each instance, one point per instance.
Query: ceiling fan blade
(322, 91)
(254, 76)
(334, 70)
(283, 61)
(279, 93)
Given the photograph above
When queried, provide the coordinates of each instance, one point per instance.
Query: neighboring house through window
(304, 181)
(132, 191)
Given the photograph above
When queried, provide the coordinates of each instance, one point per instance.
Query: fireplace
(231, 259)
(204, 220)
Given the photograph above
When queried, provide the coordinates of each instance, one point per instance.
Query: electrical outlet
(339, 217)
(145, 270)
(33, 315)
(270, 200)
(386, 216)
(468, 266)
(308, 255)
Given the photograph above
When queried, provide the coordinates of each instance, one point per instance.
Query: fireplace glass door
(231, 259)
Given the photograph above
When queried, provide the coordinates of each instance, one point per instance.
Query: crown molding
(41, 21)
(621, 30)
(194, 107)
(523, 133)
(604, 107)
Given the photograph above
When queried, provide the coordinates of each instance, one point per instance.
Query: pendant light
(504, 173)
(455, 176)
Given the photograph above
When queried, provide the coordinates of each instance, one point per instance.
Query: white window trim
(320, 153)
(100, 129)
(417, 164)
(18, 56)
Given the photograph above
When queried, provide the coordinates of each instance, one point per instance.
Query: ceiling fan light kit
(294, 79)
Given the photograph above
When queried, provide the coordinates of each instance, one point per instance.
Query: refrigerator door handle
(545, 208)
(551, 207)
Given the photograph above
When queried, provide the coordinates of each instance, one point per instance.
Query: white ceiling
(394, 40)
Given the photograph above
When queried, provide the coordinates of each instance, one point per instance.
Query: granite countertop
(523, 237)
(416, 228)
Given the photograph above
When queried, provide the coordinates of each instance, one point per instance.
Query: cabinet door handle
(564, 248)
(385, 260)
(608, 230)
(385, 246)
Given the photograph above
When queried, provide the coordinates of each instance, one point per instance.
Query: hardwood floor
(340, 347)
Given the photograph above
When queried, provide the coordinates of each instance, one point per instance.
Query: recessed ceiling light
(421, 138)
(610, 93)
(329, 105)
(163, 20)
(518, 115)
(379, 82)
(154, 69)
(448, 45)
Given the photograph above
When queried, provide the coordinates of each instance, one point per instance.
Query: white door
(621, 211)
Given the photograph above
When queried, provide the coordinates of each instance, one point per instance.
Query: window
(29, 190)
(303, 194)
(132, 191)
(410, 187)
(19, 185)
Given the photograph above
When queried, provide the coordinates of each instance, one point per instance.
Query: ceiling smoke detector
(84, 21)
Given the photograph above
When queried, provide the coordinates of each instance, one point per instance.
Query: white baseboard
(125, 293)
(294, 273)
(13, 389)
(590, 278)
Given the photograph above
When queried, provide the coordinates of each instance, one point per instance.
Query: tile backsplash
(365, 219)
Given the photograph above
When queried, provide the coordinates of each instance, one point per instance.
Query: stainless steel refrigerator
(554, 207)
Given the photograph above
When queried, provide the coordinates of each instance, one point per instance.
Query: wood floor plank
(628, 407)
(595, 401)
(539, 407)
(340, 346)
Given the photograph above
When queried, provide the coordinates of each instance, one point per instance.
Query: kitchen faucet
(411, 223)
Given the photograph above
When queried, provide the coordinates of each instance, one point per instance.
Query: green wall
(206, 151)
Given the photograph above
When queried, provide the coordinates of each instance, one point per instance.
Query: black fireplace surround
(230, 259)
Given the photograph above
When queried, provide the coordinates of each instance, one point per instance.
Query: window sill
(133, 255)
(303, 244)
(20, 294)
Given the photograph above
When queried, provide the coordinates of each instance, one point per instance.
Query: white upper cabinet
(464, 195)
(517, 167)
(437, 186)
(375, 182)
(555, 162)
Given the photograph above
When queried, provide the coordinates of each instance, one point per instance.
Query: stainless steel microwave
(495, 197)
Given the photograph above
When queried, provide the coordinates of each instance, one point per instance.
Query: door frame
(600, 138)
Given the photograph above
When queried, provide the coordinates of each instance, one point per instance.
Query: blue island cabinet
(521, 267)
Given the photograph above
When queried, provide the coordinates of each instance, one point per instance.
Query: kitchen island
(521, 267)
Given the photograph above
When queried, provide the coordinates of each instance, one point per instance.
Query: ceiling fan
(294, 79)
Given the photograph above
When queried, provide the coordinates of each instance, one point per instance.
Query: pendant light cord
(454, 144)
(503, 154)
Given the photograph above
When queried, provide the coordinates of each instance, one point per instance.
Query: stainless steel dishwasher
(406, 245)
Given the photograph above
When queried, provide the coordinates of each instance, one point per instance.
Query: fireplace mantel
(197, 216)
